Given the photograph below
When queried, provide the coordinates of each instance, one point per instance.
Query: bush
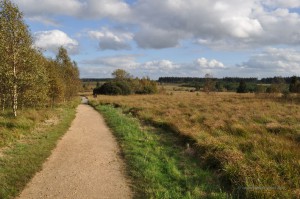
(125, 87)
(114, 88)
(109, 88)
(146, 86)
(260, 89)
(147, 89)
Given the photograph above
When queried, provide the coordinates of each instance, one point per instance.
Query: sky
(182, 38)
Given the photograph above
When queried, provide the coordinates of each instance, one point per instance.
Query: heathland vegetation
(251, 142)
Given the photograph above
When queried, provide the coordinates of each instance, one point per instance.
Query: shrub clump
(126, 85)
(113, 88)
(145, 86)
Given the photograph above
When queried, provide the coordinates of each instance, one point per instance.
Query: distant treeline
(238, 84)
(268, 80)
(203, 79)
(271, 80)
(95, 79)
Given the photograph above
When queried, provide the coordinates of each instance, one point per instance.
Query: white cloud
(102, 67)
(158, 68)
(52, 40)
(213, 20)
(240, 27)
(118, 61)
(151, 37)
(224, 24)
(114, 40)
(280, 28)
(49, 7)
(230, 24)
(274, 61)
(208, 64)
(161, 65)
(162, 24)
(154, 69)
(116, 9)
(283, 3)
(77, 8)
(203, 66)
(130, 62)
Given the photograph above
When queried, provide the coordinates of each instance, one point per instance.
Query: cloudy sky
(246, 38)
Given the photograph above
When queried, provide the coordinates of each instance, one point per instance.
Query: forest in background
(237, 84)
(284, 85)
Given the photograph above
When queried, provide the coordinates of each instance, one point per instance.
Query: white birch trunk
(15, 89)
(3, 102)
(15, 100)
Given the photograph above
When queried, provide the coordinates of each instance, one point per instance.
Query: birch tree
(27, 78)
(16, 42)
(70, 73)
(33, 81)
(3, 78)
(57, 87)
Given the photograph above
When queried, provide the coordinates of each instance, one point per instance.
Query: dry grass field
(252, 143)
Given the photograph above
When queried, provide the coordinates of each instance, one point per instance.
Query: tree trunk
(15, 100)
(15, 89)
(3, 102)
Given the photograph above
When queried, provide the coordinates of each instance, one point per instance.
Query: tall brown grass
(252, 143)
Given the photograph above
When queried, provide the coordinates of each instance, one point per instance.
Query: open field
(251, 143)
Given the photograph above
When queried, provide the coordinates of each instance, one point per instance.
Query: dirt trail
(85, 164)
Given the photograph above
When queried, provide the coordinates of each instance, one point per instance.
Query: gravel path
(85, 164)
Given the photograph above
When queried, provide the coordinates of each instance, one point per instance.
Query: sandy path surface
(85, 164)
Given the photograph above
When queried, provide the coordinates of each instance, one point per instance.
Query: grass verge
(25, 152)
(159, 166)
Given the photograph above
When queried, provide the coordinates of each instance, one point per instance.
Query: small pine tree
(242, 87)
(294, 85)
(209, 84)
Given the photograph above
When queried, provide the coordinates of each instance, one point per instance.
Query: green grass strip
(22, 160)
(158, 165)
